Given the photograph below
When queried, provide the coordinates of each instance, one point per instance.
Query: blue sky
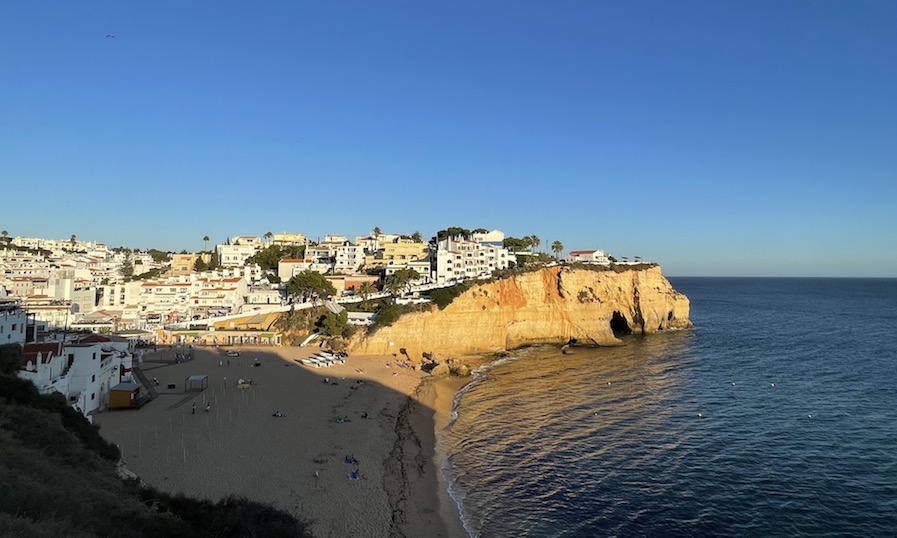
(717, 138)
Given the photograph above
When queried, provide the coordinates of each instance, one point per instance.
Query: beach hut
(126, 396)
(196, 383)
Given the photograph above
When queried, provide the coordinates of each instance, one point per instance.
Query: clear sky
(714, 137)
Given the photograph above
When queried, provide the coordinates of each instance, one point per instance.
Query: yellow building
(402, 251)
(182, 264)
(290, 239)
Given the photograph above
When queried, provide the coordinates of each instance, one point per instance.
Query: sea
(776, 415)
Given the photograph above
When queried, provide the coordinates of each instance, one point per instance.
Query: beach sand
(369, 409)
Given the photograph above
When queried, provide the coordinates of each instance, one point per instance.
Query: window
(93, 395)
(93, 378)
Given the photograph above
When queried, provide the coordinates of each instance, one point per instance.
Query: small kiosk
(126, 396)
(196, 383)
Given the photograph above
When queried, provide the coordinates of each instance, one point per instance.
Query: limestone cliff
(551, 305)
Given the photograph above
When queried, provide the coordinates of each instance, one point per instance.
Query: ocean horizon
(775, 415)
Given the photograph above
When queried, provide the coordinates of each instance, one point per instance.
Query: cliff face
(548, 306)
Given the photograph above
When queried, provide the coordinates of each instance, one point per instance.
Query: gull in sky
(111, 35)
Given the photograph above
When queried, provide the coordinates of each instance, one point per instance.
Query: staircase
(147, 384)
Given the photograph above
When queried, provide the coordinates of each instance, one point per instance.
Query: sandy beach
(355, 451)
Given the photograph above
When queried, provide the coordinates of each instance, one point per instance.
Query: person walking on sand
(194, 409)
(208, 407)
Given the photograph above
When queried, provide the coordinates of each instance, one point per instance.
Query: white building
(217, 295)
(348, 258)
(288, 268)
(457, 259)
(164, 301)
(247, 240)
(494, 238)
(587, 256)
(235, 255)
(290, 239)
(83, 372)
(118, 295)
(338, 253)
(264, 295)
(53, 313)
(13, 321)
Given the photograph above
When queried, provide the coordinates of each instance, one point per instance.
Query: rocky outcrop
(594, 305)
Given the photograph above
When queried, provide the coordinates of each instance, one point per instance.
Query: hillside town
(78, 284)
(84, 312)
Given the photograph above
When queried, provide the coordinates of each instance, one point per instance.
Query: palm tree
(376, 232)
(557, 247)
(73, 239)
(268, 236)
(5, 235)
(205, 240)
(366, 289)
(394, 285)
(534, 241)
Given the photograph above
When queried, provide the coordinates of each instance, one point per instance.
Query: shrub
(444, 296)
(10, 358)
(389, 313)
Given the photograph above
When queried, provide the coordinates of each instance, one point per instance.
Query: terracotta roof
(46, 350)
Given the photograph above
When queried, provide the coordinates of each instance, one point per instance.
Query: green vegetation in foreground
(58, 477)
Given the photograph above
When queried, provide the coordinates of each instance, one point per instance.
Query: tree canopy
(557, 247)
(334, 324)
(127, 267)
(310, 284)
(515, 244)
(269, 257)
(157, 255)
(453, 231)
(400, 280)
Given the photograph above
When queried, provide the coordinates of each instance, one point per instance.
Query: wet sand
(382, 417)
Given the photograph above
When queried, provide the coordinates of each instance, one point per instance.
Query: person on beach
(208, 407)
(194, 409)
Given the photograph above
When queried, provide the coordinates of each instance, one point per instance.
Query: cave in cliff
(619, 325)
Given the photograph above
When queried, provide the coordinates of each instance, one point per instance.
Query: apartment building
(13, 321)
(182, 264)
(217, 295)
(457, 259)
(289, 239)
(288, 268)
(341, 255)
(235, 255)
(247, 241)
(401, 251)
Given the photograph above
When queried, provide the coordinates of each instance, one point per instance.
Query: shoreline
(420, 447)
(370, 410)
